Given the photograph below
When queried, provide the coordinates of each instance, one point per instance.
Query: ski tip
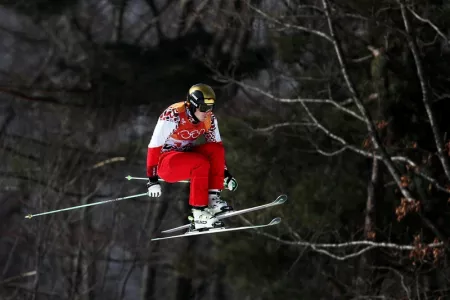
(275, 221)
(281, 199)
(128, 177)
(28, 216)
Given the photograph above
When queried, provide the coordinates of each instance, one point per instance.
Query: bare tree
(390, 164)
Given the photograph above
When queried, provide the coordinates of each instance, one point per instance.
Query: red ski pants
(204, 166)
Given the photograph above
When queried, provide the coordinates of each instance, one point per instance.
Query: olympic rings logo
(191, 134)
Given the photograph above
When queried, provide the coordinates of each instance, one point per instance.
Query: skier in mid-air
(172, 156)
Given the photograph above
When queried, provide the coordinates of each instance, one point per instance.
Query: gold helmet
(201, 96)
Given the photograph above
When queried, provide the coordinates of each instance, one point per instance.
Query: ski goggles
(205, 107)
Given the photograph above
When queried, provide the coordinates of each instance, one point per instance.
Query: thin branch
(402, 279)
(420, 173)
(288, 25)
(351, 244)
(333, 153)
(286, 124)
(438, 31)
(297, 7)
(42, 183)
(194, 16)
(43, 66)
(20, 276)
(154, 21)
(44, 99)
(343, 257)
(417, 287)
(425, 94)
(362, 59)
(120, 16)
(326, 153)
(321, 247)
(108, 161)
(13, 151)
(9, 118)
(24, 36)
(335, 137)
(63, 147)
(300, 100)
(10, 257)
(33, 292)
(144, 31)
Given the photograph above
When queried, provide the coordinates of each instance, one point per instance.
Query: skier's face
(201, 116)
(202, 111)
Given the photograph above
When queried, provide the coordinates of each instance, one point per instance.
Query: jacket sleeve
(213, 133)
(163, 129)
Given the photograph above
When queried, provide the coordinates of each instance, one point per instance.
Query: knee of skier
(215, 147)
(201, 167)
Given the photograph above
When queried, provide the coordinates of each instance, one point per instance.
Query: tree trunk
(371, 258)
(83, 264)
(375, 189)
(149, 270)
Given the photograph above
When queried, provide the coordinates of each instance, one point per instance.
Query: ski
(280, 200)
(210, 231)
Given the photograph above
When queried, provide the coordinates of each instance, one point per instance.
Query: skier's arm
(213, 133)
(213, 136)
(163, 130)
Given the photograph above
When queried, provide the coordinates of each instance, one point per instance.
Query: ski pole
(144, 178)
(85, 205)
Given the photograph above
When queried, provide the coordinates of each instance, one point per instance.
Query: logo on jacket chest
(188, 134)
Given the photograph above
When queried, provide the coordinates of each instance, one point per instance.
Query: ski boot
(217, 206)
(202, 220)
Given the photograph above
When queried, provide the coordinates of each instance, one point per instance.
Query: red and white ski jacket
(176, 131)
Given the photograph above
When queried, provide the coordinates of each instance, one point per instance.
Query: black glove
(229, 181)
(154, 188)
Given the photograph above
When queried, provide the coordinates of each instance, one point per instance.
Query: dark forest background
(341, 105)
